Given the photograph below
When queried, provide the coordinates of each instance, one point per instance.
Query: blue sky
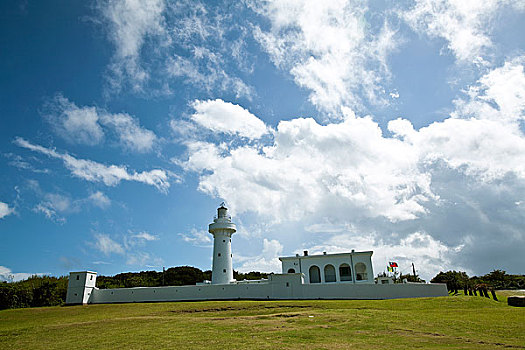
(325, 126)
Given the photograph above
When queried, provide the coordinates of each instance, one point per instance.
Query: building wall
(278, 286)
(304, 263)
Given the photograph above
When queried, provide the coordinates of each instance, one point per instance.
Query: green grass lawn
(455, 322)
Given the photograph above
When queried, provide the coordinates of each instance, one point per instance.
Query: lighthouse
(222, 229)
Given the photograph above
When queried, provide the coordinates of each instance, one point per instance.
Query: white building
(325, 276)
(353, 267)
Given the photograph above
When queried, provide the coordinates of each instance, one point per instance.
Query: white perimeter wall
(285, 286)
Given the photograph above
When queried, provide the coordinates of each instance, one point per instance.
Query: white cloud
(499, 95)
(145, 236)
(346, 170)
(9, 276)
(85, 125)
(143, 259)
(219, 116)
(5, 210)
(106, 245)
(329, 49)
(76, 125)
(349, 170)
(483, 136)
(129, 246)
(213, 77)
(131, 22)
(131, 135)
(54, 205)
(96, 172)
(158, 42)
(466, 25)
(21, 163)
(267, 261)
(197, 237)
(99, 199)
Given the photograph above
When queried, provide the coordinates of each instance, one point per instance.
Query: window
(224, 270)
(223, 241)
(287, 284)
(291, 271)
(219, 254)
(78, 277)
(345, 274)
(360, 272)
(315, 274)
(329, 273)
(91, 278)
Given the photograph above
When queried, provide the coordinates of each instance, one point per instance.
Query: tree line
(51, 291)
(497, 279)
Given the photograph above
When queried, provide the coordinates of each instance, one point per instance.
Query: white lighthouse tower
(222, 229)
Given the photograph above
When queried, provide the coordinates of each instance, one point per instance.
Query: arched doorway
(360, 272)
(345, 273)
(315, 274)
(329, 273)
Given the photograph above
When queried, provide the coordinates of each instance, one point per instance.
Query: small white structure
(80, 287)
(324, 276)
(384, 280)
(222, 230)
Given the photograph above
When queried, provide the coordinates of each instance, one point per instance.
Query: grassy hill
(457, 322)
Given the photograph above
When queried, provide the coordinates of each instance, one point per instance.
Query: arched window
(345, 274)
(360, 272)
(329, 273)
(291, 271)
(315, 274)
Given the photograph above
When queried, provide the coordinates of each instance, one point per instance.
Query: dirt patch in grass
(240, 308)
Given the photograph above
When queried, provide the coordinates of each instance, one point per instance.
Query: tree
(455, 280)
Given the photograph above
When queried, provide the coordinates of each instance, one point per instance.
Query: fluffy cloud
(452, 187)
(465, 25)
(8, 276)
(96, 172)
(130, 247)
(5, 210)
(329, 49)
(99, 199)
(106, 245)
(219, 116)
(85, 125)
(197, 237)
(267, 261)
(56, 205)
(347, 170)
(76, 125)
(130, 23)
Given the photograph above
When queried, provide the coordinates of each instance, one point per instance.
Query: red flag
(393, 264)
